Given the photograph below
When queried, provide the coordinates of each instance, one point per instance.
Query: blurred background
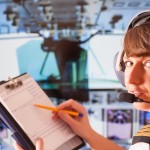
(68, 48)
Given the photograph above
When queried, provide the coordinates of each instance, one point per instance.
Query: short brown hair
(137, 41)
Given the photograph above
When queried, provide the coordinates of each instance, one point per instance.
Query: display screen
(144, 118)
(119, 124)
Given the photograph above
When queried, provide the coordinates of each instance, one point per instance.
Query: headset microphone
(130, 98)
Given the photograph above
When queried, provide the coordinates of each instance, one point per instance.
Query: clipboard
(9, 115)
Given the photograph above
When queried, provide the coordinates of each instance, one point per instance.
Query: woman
(134, 62)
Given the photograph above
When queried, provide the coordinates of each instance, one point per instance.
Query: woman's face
(137, 79)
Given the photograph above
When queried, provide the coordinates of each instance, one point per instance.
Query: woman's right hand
(80, 125)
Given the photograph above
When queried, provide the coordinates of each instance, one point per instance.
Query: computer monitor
(144, 117)
(119, 124)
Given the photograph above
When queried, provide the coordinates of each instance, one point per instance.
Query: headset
(119, 66)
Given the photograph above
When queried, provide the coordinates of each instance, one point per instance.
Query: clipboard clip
(13, 83)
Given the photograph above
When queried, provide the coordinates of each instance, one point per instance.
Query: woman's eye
(147, 64)
(128, 63)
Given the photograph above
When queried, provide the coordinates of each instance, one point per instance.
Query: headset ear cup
(119, 74)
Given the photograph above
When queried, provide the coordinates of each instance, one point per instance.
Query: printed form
(36, 122)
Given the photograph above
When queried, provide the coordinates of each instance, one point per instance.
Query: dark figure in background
(71, 58)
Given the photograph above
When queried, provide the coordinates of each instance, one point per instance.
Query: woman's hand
(80, 125)
(39, 145)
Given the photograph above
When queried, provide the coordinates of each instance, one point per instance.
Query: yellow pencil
(73, 113)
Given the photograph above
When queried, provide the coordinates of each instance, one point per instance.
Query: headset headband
(141, 18)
